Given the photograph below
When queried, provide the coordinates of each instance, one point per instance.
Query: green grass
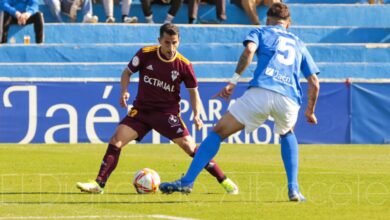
(339, 181)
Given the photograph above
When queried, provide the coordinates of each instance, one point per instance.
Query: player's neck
(166, 56)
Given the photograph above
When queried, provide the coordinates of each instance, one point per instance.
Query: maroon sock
(110, 160)
(213, 168)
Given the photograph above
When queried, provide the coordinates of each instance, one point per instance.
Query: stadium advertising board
(73, 112)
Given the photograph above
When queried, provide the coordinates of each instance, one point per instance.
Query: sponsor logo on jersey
(174, 74)
(174, 121)
(150, 67)
(159, 83)
(278, 76)
(135, 61)
(269, 71)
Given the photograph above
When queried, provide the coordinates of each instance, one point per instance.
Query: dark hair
(170, 29)
(279, 11)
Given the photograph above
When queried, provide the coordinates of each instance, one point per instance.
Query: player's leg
(173, 127)
(226, 126)
(123, 135)
(285, 114)
(289, 150)
(241, 114)
(207, 150)
(132, 127)
(187, 143)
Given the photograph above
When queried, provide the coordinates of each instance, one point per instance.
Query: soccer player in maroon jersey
(161, 71)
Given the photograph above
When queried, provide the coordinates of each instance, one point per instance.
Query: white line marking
(156, 216)
(170, 217)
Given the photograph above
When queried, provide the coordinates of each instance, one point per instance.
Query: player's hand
(311, 117)
(198, 122)
(124, 98)
(226, 92)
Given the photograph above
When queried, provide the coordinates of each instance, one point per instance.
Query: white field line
(156, 216)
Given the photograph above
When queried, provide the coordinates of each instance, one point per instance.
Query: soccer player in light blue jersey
(274, 91)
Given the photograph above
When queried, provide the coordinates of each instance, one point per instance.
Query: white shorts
(257, 104)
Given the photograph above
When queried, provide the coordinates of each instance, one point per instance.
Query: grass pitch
(339, 181)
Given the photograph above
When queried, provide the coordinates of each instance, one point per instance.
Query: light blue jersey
(281, 56)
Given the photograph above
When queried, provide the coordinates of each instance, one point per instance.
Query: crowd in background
(24, 12)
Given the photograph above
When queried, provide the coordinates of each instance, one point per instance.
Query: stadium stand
(347, 40)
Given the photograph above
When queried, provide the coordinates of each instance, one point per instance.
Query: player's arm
(243, 63)
(312, 94)
(196, 106)
(125, 80)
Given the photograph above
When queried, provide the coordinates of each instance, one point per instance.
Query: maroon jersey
(160, 79)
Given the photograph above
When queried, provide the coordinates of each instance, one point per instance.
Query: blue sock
(289, 145)
(207, 150)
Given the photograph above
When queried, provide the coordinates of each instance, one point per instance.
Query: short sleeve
(308, 66)
(253, 36)
(136, 62)
(189, 78)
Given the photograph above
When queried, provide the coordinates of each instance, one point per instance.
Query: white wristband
(235, 78)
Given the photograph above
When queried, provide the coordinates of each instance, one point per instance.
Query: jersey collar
(279, 26)
(163, 59)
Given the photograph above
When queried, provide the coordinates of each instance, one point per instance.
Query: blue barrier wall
(48, 112)
(370, 113)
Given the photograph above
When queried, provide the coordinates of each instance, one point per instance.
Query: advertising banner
(74, 112)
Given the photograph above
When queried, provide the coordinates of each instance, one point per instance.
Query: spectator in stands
(70, 7)
(22, 12)
(249, 7)
(376, 1)
(193, 6)
(1, 23)
(147, 9)
(109, 9)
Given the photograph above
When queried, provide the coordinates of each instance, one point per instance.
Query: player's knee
(219, 129)
(117, 142)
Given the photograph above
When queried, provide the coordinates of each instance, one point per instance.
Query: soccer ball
(146, 181)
